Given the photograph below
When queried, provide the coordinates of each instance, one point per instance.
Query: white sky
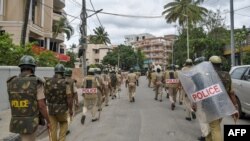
(118, 27)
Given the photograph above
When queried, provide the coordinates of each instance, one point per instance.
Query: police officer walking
(131, 83)
(106, 86)
(215, 128)
(90, 97)
(158, 84)
(100, 86)
(73, 89)
(113, 84)
(59, 95)
(172, 83)
(26, 96)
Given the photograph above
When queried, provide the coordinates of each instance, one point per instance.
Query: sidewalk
(5, 135)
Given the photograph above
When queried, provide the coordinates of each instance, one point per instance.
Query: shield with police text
(203, 86)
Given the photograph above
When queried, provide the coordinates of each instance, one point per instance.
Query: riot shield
(203, 86)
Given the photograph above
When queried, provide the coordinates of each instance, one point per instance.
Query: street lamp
(187, 37)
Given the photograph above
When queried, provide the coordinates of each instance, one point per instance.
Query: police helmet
(28, 62)
(189, 62)
(199, 60)
(59, 68)
(215, 60)
(172, 66)
(177, 66)
(68, 72)
(131, 70)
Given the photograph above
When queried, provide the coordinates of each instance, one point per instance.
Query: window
(137, 38)
(143, 37)
(247, 75)
(237, 73)
(96, 60)
(96, 51)
(1, 7)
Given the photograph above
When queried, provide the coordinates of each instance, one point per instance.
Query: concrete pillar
(48, 43)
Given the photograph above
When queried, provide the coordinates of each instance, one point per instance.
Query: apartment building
(130, 39)
(42, 15)
(157, 50)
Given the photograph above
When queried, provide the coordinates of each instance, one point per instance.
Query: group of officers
(53, 101)
(158, 80)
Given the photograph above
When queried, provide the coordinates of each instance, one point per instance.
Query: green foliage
(62, 26)
(128, 57)
(176, 11)
(246, 58)
(71, 62)
(10, 54)
(47, 59)
(100, 37)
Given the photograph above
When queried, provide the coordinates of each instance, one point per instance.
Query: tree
(179, 9)
(47, 59)
(128, 57)
(240, 41)
(62, 26)
(100, 37)
(10, 53)
(71, 62)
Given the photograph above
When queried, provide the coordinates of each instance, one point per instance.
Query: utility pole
(83, 29)
(232, 33)
(25, 22)
(187, 40)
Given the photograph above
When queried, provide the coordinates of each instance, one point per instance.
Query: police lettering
(20, 103)
(89, 90)
(206, 93)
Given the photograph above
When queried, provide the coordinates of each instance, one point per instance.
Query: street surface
(144, 120)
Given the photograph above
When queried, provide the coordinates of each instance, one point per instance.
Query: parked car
(241, 84)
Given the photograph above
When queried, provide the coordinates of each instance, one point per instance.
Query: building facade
(157, 50)
(42, 15)
(130, 39)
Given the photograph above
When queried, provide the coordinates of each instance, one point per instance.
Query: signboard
(172, 81)
(89, 90)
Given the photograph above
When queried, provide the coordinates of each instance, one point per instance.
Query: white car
(241, 84)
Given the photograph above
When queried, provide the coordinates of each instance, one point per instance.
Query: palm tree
(62, 26)
(25, 22)
(179, 10)
(100, 37)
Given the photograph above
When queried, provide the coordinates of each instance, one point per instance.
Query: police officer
(59, 97)
(153, 77)
(90, 97)
(158, 84)
(113, 84)
(188, 104)
(26, 96)
(100, 92)
(181, 96)
(119, 80)
(131, 83)
(172, 84)
(73, 88)
(106, 86)
(215, 128)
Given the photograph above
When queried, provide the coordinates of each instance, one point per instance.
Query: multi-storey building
(157, 50)
(42, 15)
(130, 39)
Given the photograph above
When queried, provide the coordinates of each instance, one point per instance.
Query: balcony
(59, 4)
(57, 15)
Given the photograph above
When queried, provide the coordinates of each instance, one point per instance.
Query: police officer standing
(26, 95)
(100, 92)
(90, 97)
(215, 128)
(119, 81)
(113, 84)
(59, 97)
(131, 83)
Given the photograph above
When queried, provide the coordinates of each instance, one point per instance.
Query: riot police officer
(59, 97)
(90, 97)
(215, 128)
(113, 84)
(100, 86)
(158, 84)
(106, 86)
(26, 96)
(73, 88)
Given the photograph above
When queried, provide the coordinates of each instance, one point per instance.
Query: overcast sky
(118, 27)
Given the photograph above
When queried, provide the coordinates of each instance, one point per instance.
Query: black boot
(67, 132)
(193, 115)
(133, 99)
(83, 119)
(95, 119)
(201, 138)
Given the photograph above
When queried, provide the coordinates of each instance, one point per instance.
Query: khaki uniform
(215, 128)
(153, 77)
(131, 83)
(106, 85)
(113, 84)
(188, 104)
(158, 85)
(172, 87)
(39, 95)
(149, 78)
(90, 99)
(119, 81)
(58, 109)
(100, 91)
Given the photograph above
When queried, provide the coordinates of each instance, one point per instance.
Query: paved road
(144, 120)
